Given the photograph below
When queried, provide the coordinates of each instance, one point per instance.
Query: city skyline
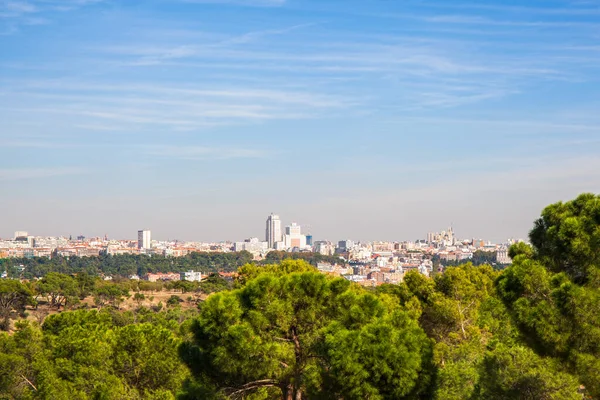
(444, 244)
(373, 119)
(145, 236)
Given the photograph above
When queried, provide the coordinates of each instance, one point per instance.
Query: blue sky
(372, 120)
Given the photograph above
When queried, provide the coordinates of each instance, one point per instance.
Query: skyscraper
(273, 232)
(144, 239)
(294, 237)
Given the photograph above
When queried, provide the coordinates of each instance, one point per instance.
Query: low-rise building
(191, 276)
(154, 277)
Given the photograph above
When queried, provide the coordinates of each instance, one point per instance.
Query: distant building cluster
(369, 263)
(289, 240)
(23, 245)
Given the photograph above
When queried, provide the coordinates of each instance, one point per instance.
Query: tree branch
(251, 386)
(29, 382)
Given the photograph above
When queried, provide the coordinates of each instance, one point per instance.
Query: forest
(125, 265)
(283, 330)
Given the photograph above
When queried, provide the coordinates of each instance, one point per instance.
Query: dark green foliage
(129, 264)
(139, 298)
(14, 297)
(184, 286)
(92, 355)
(566, 238)
(382, 359)
(214, 283)
(275, 257)
(59, 289)
(520, 249)
(518, 373)
(251, 271)
(110, 293)
(474, 337)
(174, 301)
(293, 328)
(480, 257)
(145, 357)
(553, 287)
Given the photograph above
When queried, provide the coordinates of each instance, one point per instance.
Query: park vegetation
(285, 331)
(126, 265)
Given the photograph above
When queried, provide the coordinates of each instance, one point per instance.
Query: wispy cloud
(201, 152)
(479, 20)
(95, 106)
(162, 151)
(511, 126)
(20, 13)
(252, 36)
(37, 144)
(16, 174)
(575, 10)
(248, 3)
(149, 56)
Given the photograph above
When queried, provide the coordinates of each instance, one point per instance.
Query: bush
(174, 300)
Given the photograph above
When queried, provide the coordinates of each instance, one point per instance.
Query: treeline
(311, 258)
(140, 264)
(480, 257)
(125, 265)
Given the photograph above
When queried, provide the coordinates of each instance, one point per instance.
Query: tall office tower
(294, 237)
(144, 239)
(273, 232)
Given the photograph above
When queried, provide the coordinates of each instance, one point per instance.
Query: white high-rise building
(144, 240)
(294, 237)
(273, 231)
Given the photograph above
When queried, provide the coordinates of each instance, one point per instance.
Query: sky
(365, 120)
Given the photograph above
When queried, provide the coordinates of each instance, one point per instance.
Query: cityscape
(299, 200)
(368, 263)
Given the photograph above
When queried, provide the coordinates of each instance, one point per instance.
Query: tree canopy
(14, 297)
(304, 334)
(553, 287)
